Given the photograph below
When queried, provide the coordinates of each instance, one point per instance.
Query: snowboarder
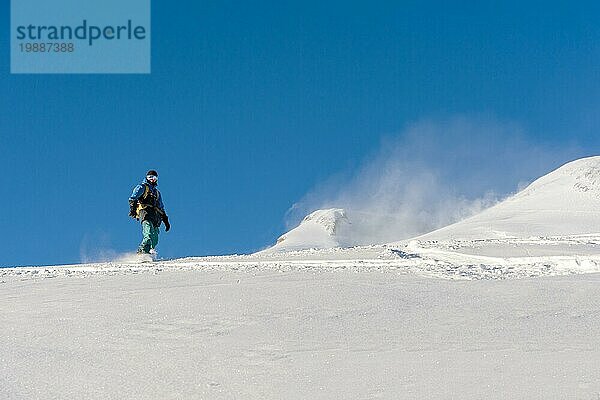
(146, 205)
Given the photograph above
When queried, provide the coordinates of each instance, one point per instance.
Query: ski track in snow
(510, 258)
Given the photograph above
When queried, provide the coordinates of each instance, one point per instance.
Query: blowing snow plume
(433, 174)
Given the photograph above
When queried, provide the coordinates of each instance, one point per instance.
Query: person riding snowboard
(146, 205)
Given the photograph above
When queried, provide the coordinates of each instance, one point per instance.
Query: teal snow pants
(150, 237)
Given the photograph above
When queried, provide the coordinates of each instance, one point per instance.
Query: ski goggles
(152, 178)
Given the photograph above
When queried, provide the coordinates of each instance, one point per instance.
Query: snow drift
(338, 227)
(564, 202)
(321, 229)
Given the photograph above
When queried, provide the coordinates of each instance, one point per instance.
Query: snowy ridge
(552, 227)
(563, 202)
(328, 219)
(460, 259)
(318, 230)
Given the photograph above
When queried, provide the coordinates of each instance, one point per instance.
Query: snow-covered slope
(352, 323)
(256, 335)
(338, 227)
(321, 229)
(564, 202)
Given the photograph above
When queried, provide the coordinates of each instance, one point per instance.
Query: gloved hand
(133, 209)
(167, 224)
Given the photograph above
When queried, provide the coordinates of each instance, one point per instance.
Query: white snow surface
(337, 227)
(320, 229)
(413, 320)
(564, 202)
(502, 305)
(311, 325)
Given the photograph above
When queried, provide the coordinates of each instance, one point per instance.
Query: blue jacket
(138, 192)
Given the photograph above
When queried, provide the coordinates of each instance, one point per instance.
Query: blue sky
(249, 107)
